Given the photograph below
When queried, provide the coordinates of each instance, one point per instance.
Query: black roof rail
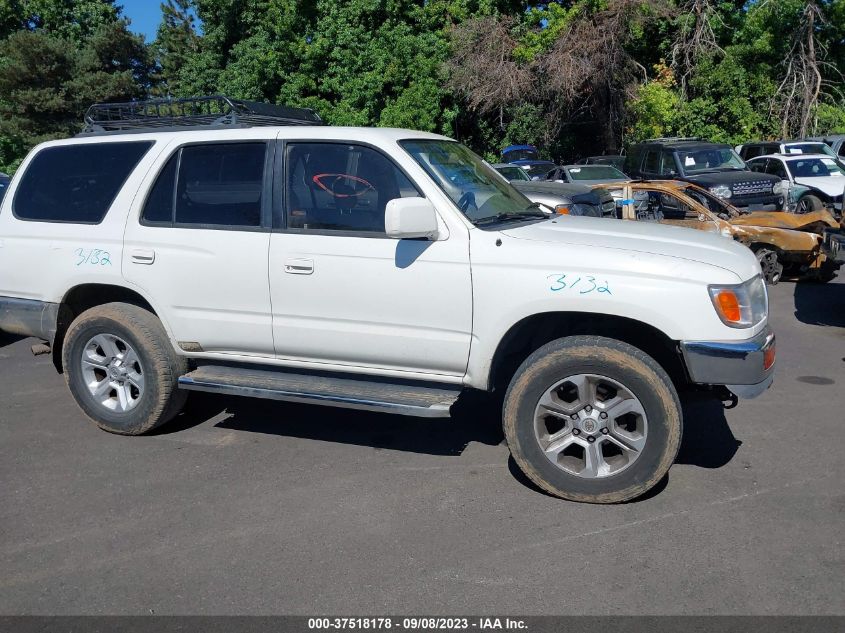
(673, 139)
(192, 112)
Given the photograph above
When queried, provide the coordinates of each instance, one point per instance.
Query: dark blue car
(527, 157)
(4, 184)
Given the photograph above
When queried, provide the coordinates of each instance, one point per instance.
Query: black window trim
(150, 143)
(281, 176)
(266, 188)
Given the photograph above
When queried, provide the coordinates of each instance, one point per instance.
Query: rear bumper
(27, 317)
(740, 366)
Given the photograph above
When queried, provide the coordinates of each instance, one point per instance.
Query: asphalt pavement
(255, 507)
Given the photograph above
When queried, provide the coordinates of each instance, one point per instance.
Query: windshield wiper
(531, 211)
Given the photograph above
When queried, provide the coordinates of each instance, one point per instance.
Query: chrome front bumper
(740, 366)
(27, 317)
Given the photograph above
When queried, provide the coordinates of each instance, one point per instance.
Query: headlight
(721, 191)
(777, 188)
(741, 305)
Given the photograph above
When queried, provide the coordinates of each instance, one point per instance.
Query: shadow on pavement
(708, 441)
(8, 339)
(820, 304)
(475, 419)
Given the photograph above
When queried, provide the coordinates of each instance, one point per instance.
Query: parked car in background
(714, 166)
(559, 198)
(4, 184)
(615, 160)
(747, 151)
(527, 157)
(586, 174)
(836, 142)
(783, 243)
(822, 176)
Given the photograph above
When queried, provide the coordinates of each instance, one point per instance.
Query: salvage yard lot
(255, 507)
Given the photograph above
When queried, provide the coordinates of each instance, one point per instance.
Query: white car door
(346, 295)
(197, 245)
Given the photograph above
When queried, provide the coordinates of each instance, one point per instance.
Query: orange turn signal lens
(562, 209)
(728, 304)
(769, 357)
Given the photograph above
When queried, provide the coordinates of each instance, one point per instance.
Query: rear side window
(76, 183)
(219, 185)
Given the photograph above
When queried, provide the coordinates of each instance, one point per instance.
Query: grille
(751, 188)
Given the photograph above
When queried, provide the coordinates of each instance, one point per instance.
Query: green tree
(51, 71)
(176, 41)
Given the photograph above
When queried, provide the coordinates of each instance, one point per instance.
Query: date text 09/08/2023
(418, 624)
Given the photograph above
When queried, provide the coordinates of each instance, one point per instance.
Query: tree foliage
(573, 76)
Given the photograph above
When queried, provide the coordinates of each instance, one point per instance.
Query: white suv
(379, 269)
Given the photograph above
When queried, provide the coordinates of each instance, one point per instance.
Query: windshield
(513, 173)
(809, 148)
(4, 183)
(520, 154)
(470, 183)
(710, 159)
(596, 172)
(815, 168)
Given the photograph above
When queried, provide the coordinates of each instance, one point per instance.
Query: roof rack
(191, 112)
(673, 139)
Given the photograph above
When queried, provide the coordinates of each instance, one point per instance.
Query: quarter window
(341, 187)
(76, 183)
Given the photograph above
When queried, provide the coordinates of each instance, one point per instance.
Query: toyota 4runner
(253, 251)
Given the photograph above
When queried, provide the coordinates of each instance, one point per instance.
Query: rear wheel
(592, 419)
(769, 264)
(122, 370)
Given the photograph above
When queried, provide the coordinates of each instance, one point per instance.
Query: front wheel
(592, 419)
(808, 204)
(770, 266)
(122, 370)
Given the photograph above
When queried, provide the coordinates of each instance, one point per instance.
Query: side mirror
(410, 218)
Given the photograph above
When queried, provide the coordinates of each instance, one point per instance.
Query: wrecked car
(785, 244)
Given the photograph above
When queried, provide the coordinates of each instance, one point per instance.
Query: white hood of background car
(831, 185)
(682, 243)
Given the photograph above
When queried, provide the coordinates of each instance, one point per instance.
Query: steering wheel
(466, 201)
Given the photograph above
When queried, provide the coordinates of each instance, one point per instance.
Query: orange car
(785, 243)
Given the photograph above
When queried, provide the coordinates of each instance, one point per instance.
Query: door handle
(299, 266)
(143, 256)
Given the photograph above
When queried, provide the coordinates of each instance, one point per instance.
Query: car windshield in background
(702, 160)
(521, 154)
(480, 194)
(809, 148)
(4, 184)
(513, 173)
(596, 172)
(815, 168)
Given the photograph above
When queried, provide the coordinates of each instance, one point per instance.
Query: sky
(145, 16)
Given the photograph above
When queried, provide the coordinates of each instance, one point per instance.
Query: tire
(769, 264)
(808, 204)
(131, 398)
(612, 365)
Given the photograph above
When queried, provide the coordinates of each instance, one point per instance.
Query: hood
(572, 192)
(681, 243)
(781, 220)
(730, 178)
(833, 186)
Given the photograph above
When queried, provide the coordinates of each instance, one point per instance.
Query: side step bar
(414, 399)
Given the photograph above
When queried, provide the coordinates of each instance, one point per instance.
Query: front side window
(652, 162)
(775, 168)
(76, 183)
(341, 187)
(470, 183)
(218, 185)
(710, 159)
(667, 165)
